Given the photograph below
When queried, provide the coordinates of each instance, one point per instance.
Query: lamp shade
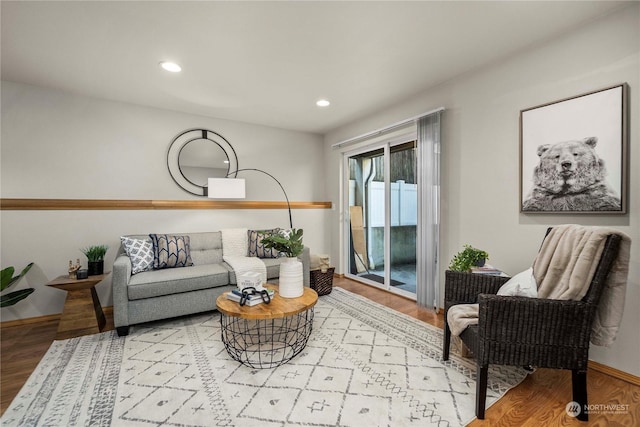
(226, 188)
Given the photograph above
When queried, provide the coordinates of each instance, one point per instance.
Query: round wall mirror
(197, 155)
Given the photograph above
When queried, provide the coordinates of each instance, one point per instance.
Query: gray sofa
(171, 292)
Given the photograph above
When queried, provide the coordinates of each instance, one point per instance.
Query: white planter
(291, 283)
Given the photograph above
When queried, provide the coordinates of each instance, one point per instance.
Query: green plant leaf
(13, 297)
(7, 275)
(95, 253)
(467, 258)
(286, 242)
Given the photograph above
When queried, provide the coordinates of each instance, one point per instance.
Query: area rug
(364, 365)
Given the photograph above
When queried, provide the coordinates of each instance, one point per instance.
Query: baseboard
(615, 373)
(46, 318)
(30, 320)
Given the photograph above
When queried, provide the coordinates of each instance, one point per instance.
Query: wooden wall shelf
(106, 204)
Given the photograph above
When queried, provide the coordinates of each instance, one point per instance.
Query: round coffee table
(267, 335)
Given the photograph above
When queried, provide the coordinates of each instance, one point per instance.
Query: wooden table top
(278, 308)
(64, 283)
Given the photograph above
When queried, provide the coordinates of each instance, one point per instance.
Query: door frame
(385, 145)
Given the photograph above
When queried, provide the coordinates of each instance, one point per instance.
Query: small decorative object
(288, 243)
(250, 279)
(8, 280)
(573, 154)
(467, 258)
(324, 263)
(73, 269)
(95, 257)
(83, 273)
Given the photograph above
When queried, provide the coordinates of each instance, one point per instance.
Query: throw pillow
(256, 247)
(171, 251)
(521, 285)
(140, 251)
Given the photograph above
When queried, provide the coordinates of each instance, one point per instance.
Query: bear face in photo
(570, 176)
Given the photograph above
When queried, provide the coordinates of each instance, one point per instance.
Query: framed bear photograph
(573, 154)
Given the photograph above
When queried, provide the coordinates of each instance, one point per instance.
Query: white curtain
(427, 284)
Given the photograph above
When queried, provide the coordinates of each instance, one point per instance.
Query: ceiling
(269, 62)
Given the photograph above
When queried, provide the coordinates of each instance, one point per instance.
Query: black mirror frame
(180, 141)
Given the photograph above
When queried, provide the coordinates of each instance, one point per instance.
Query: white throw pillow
(521, 285)
(140, 252)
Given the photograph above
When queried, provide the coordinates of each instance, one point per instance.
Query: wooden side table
(82, 313)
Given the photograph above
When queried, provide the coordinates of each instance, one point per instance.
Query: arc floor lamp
(235, 188)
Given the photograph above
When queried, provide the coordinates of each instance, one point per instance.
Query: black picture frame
(573, 154)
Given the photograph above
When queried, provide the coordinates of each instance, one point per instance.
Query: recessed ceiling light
(323, 103)
(171, 66)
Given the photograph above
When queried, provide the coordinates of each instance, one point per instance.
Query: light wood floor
(538, 401)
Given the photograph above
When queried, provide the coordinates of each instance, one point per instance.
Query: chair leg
(579, 385)
(481, 390)
(447, 340)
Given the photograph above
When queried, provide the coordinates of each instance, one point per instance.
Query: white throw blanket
(235, 246)
(235, 242)
(460, 316)
(563, 270)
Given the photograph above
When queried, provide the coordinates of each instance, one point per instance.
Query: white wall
(58, 145)
(480, 156)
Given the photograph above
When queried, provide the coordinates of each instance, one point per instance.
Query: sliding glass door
(381, 188)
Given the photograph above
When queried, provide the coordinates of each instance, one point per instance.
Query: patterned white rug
(364, 365)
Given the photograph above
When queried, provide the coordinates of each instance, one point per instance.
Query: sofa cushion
(169, 281)
(256, 247)
(140, 251)
(206, 248)
(170, 251)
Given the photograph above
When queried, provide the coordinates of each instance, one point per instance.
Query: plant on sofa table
(288, 242)
(8, 279)
(95, 257)
(467, 258)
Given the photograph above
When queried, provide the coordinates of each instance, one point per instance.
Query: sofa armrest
(119, 282)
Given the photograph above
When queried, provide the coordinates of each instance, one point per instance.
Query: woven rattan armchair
(522, 331)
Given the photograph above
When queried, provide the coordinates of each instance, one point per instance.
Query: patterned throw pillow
(256, 248)
(140, 252)
(171, 251)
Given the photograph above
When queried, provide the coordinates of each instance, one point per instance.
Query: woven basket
(321, 282)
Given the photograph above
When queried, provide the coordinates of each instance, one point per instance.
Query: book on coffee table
(252, 300)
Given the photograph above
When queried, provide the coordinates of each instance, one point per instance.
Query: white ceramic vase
(291, 283)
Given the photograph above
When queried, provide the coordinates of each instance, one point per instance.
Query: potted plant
(95, 257)
(8, 280)
(287, 242)
(467, 258)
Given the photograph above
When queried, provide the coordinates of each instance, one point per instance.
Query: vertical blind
(427, 276)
